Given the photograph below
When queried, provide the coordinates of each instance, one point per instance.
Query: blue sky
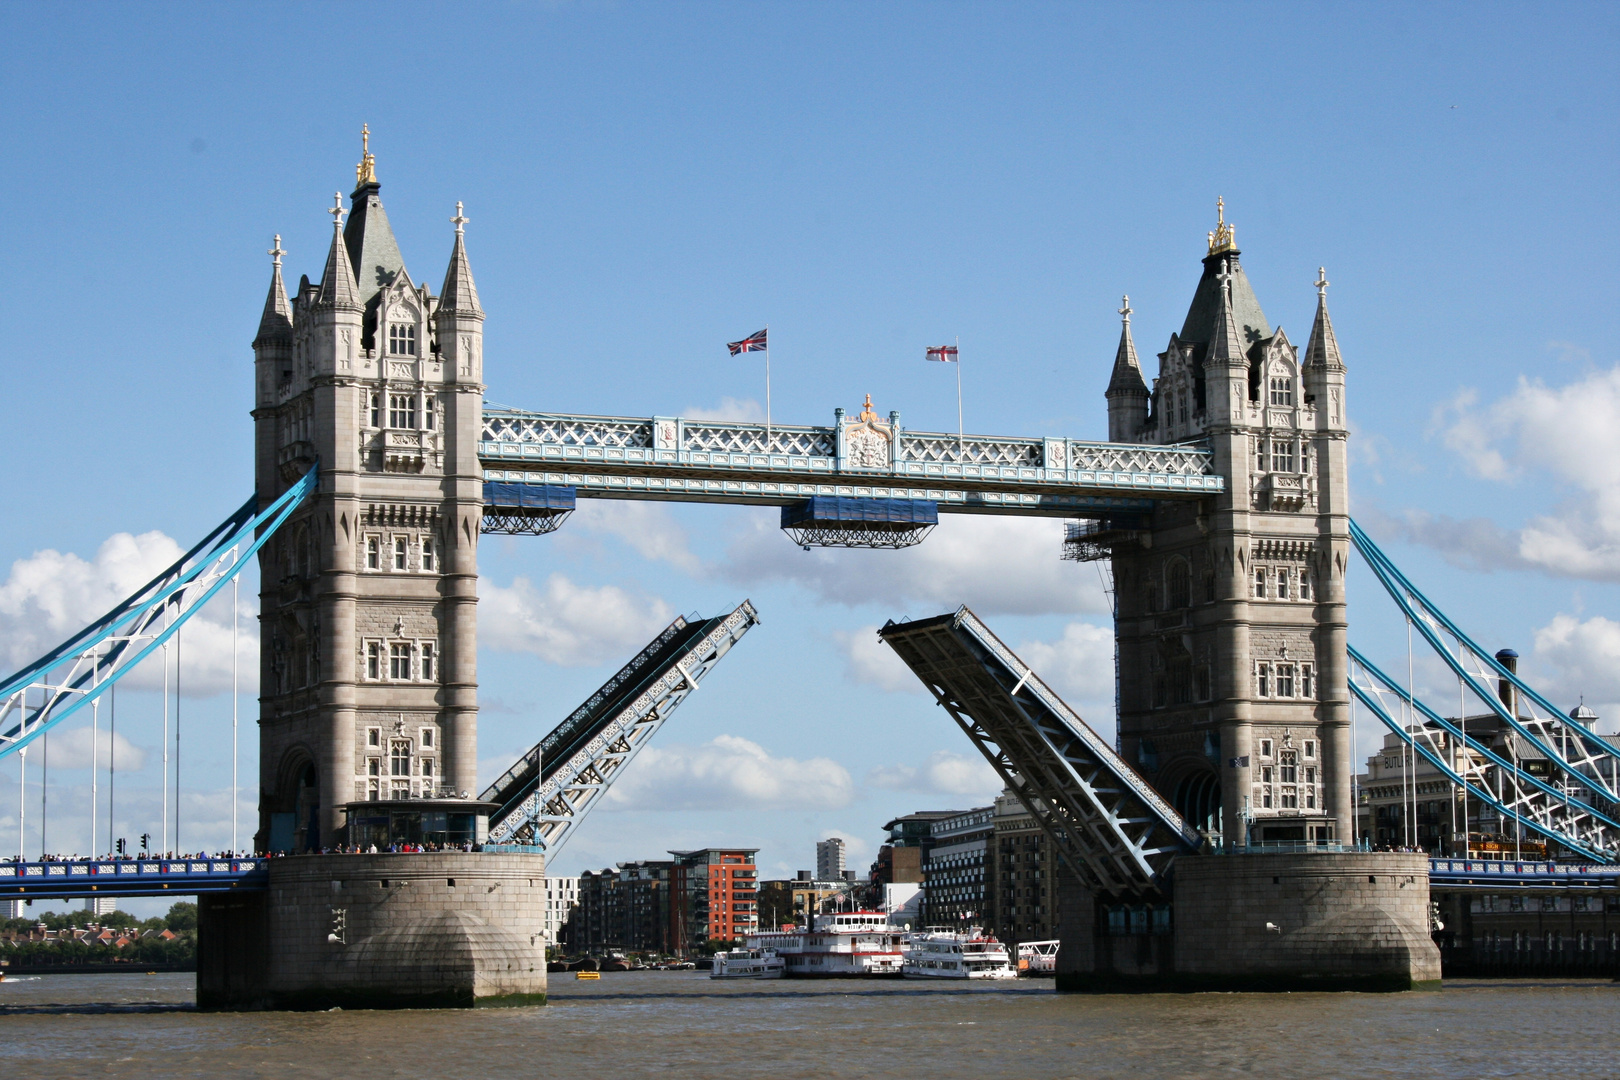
(648, 181)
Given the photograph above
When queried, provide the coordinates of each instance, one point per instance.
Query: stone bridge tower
(368, 678)
(1231, 611)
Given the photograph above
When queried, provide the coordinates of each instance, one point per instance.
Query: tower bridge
(1219, 504)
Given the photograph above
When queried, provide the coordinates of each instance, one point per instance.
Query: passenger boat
(947, 954)
(841, 945)
(1037, 957)
(747, 964)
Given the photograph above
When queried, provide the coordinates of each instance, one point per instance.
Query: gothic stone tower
(368, 677)
(1231, 611)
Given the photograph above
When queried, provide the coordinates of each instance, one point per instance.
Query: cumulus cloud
(648, 527)
(564, 623)
(1470, 543)
(730, 409)
(943, 773)
(1079, 665)
(867, 660)
(728, 773)
(1585, 656)
(997, 565)
(71, 749)
(1571, 433)
(50, 595)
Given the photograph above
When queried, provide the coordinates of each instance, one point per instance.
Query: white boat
(1037, 957)
(842, 945)
(947, 954)
(747, 964)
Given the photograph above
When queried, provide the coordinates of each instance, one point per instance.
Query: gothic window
(1288, 768)
(1282, 391)
(430, 419)
(1285, 680)
(1304, 457)
(376, 410)
(1201, 683)
(427, 737)
(401, 340)
(1307, 688)
(373, 553)
(427, 554)
(1180, 679)
(399, 757)
(372, 792)
(1282, 455)
(399, 661)
(374, 766)
(373, 736)
(1305, 583)
(1182, 398)
(1260, 583)
(1310, 744)
(1265, 747)
(1282, 584)
(1179, 587)
(427, 767)
(428, 658)
(1259, 455)
(399, 552)
(374, 663)
(401, 789)
(1262, 680)
(1290, 799)
(402, 411)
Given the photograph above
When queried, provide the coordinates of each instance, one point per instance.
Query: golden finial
(366, 171)
(1222, 239)
(867, 415)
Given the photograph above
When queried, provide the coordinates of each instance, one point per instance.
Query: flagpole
(960, 447)
(767, 388)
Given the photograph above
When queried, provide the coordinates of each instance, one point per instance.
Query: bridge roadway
(671, 458)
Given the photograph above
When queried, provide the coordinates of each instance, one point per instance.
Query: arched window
(1178, 585)
(401, 340)
(1282, 390)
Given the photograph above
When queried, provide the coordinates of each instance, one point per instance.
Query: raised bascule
(1211, 845)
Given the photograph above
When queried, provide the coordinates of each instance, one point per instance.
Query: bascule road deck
(862, 456)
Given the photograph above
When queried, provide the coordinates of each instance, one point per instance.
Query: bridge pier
(418, 930)
(1258, 922)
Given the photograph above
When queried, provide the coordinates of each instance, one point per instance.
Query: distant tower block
(1231, 611)
(830, 859)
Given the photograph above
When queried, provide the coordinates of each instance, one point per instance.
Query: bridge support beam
(440, 930)
(1258, 922)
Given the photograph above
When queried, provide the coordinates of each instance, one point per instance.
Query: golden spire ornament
(366, 171)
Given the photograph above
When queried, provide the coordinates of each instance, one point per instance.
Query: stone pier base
(378, 931)
(1258, 922)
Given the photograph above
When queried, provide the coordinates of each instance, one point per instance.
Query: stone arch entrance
(1197, 797)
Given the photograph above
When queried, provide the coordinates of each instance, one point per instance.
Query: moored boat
(1037, 957)
(948, 954)
(841, 945)
(747, 964)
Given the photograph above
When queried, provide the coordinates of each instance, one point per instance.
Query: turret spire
(1127, 375)
(337, 280)
(459, 295)
(276, 322)
(1323, 348)
(366, 171)
(1227, 345)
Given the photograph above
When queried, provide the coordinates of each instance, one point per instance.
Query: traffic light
(120, 845)
(146, 840)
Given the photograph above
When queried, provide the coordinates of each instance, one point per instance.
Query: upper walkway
(129, 877)
(671, 458)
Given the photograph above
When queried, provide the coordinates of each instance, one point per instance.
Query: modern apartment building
(830, 859)
(956, 875)
(718, 893)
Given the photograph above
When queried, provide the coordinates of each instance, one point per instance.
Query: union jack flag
(752, 343)
(945, 353)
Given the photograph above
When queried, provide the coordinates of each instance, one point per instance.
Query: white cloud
(944, 773)
(996, 565)
(1079, 665)
(868, 660)
(567, 624)
(51, 595)
(1571, 433)
(728, 773)
(648, 527)
(1584, 655)
(71, 749)
(730, 409)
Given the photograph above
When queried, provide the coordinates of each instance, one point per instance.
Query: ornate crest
(868, 439)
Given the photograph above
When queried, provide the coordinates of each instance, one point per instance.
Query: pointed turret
(337, 280)
(459, 295)
(275, 325)
(1127, 392)
(1322, 351)
(1226, 344)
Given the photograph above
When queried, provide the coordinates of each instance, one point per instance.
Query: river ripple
(677, 1024)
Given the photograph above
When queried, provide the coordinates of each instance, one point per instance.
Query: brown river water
(681, 1024)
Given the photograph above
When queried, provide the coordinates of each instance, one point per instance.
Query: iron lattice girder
(68, 879)
(566, 790)
(713, 461)
(1108, 823)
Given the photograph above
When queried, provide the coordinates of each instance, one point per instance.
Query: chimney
(1504, 689)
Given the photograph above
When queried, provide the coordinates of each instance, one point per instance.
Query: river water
(681, 1024)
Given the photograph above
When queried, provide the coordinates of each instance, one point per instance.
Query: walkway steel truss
(550, 789)
(77, 672)
(715, 461)
(1108, 823)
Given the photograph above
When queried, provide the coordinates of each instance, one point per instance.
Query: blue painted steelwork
(532, 509)
(1108, 823)
(715, 461)
(1538, 805)
(833, 521)
(1503, 874)
(131, 877)
(1572, 749)
(79, 671)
